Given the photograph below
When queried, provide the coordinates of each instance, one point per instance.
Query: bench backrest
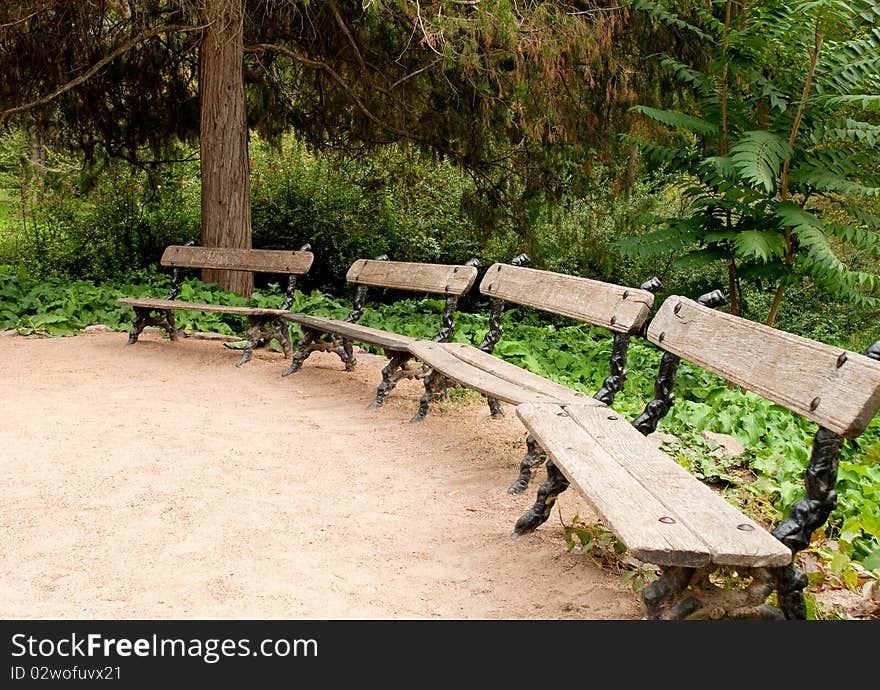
(257, 260)
(618, 308)
(836, 388)
(440, 279)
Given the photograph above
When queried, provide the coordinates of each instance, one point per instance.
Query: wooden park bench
(620, 309)
(337, 335)
(666, 516)
(265, 324)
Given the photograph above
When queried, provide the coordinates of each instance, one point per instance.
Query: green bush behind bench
(764, 481)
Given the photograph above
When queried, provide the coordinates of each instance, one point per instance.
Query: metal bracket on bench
(439, 385)
(496, 329)
(664, 398)
(264, 328)
(809, 513)
(312, 339)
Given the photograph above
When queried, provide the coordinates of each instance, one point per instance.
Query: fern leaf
(868, 101)
(828, 182)
(660, 14)
(846, 129)
(759, 156)
(658, 242)
(672, 118)
(759, 245)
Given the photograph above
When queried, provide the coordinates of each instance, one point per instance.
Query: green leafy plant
(774, 147)
(607, 551)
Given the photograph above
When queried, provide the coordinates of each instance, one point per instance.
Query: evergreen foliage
(775, 146)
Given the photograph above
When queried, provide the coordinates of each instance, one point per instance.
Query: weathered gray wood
(402, 275)
(835, 388)
(177, 305)
(352, 331)
(615, 307)
(257, 260)
(440, 359)
(507, 371)
(626, 506)
(732, 537)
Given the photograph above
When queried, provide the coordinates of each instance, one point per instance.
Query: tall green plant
(775, 144)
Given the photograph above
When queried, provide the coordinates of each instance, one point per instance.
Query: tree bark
(226, 219)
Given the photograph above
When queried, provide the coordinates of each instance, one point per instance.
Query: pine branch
(98, 66)
(334, 75)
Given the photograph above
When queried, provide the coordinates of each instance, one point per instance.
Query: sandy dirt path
(160, 481)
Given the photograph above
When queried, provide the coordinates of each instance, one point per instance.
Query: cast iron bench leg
(495, 408)
(393, 372)
(254, 335)
(144, 316)
(535, 457)
(547, 494)
(436, 384)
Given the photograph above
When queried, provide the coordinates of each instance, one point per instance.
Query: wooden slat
(510, 372)
(259, 260)
(352, 331)
(178, 305)
(626, 506)
(402, 275)
(436, 357)
(798, 373)
(732, 538)
(615, 307)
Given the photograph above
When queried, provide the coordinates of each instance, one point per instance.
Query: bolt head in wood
(841, 359)
(676, 308)
(666, 520)
(814, 404)
(745, 527)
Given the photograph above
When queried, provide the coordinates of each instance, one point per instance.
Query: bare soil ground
(160, 481)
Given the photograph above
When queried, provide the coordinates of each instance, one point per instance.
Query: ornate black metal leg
(658, 595)
(254, 335)
(284, 338)
(435, 385)
(141, 316)
(806, 516)
(495, 407)
(389, 380)
(535, 457)
(304, 349)
(547, 494)
(147, 317)
(168, 324)
(347, 355)
(614, 381)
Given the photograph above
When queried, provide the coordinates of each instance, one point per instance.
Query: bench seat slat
(730, 537)
(352, 331)
(629, 509)
(440, 279)
(177, 305)
(801, 374)
(437, 357)
(618, 308)
(229, 259)
(512, 373)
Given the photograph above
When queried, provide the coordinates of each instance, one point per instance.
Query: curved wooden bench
(665, 515)
(264, 323)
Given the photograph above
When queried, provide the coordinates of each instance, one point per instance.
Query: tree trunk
(226, 218)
